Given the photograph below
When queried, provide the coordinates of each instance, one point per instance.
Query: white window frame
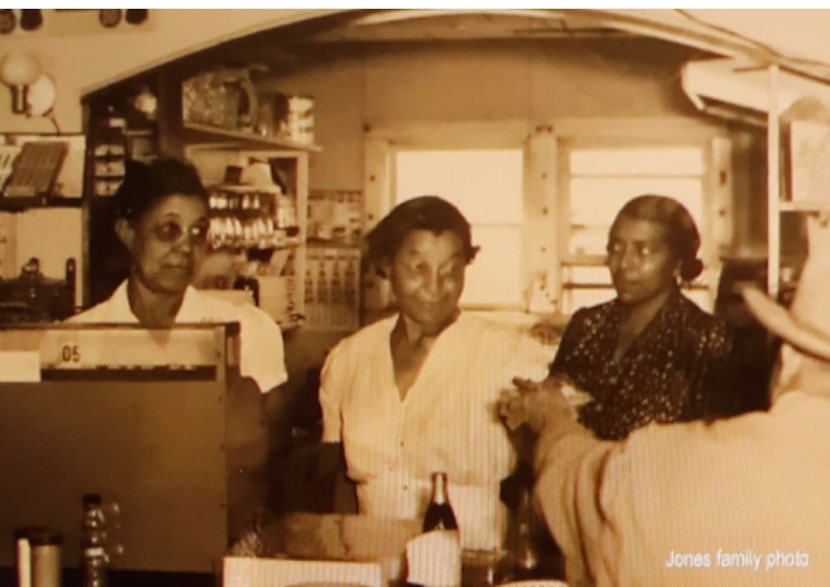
(544, 235)
(381, 147)
(717, 215)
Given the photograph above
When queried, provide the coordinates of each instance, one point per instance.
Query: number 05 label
(61, 350)
(71, 353)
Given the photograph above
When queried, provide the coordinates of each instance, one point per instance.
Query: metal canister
(46, 558)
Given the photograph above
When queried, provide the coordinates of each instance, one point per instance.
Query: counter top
(313, 548)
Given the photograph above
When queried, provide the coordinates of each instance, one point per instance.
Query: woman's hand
(536, 404)
(547, 332)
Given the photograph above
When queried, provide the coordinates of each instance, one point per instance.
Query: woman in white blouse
(415, 393)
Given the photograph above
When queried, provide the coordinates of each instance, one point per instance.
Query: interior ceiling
(648, 37)
(418, 25)
(285, 49)
(795, 39)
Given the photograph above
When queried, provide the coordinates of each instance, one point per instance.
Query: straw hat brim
(781, 322)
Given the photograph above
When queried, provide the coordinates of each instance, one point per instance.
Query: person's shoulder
(216, 308)
(106, 311)
(702, 322)
(91, 315)
(367, 337)
(593, 313)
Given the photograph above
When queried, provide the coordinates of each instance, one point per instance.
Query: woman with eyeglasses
(162, 210)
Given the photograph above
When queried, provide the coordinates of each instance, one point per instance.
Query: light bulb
(19, 69)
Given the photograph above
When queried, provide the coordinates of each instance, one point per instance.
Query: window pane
(585, 274)
(596, 201)
(644, 161)
(485, 185)
(494, 276)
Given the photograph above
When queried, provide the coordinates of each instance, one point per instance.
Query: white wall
(461, 82)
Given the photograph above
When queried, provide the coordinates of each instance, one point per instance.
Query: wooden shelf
(314, 243)
(21, 203)
(195, 132)
(804, 206)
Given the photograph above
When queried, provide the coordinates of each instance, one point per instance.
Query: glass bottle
(534, 551)
(439, 514)
(93, 543)
(526, 555)
(443, 557)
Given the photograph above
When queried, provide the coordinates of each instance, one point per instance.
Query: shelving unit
(196, 132)
(278, 268)
(254, 239)
(20, 204)
(778, 202)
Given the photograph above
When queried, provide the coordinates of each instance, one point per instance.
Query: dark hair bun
(690, 269)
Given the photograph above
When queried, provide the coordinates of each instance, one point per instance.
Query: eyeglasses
(171, 232)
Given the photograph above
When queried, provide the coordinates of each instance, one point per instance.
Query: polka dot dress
(672, 371)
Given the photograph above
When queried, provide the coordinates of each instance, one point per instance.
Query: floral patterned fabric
(677, 369)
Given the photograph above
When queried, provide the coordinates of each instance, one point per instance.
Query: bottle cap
(92, 499)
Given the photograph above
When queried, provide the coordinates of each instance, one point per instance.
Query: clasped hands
(534, 408)
(536, 404)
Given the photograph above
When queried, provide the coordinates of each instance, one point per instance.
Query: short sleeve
(331, 380)
(261, 349)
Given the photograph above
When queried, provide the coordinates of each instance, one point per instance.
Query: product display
(332, 285)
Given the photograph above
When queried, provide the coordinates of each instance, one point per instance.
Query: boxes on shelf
(335, 215)
(286, 116)
(278, 288)
(332, 285)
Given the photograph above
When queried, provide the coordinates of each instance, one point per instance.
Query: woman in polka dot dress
(651, 354)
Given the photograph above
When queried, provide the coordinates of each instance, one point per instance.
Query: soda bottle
(439, 514)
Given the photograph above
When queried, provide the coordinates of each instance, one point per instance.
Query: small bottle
(439, 514)
(534, 552)
(527, 560)
(93, 543)
(445, 553)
